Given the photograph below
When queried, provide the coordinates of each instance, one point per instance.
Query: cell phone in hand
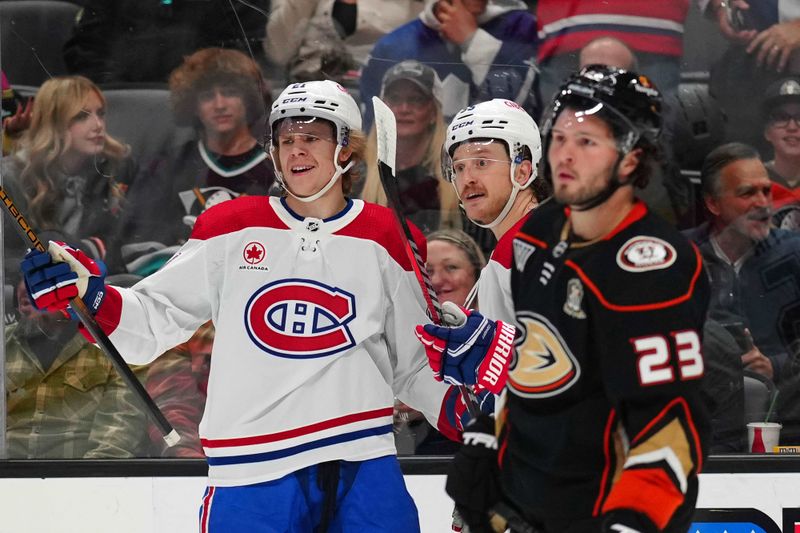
(739, 19)
(737, 331)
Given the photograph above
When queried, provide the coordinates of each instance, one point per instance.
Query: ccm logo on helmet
(462, 125)
(295, 99)
(300, 319)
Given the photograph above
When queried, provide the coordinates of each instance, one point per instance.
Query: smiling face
(451, 272)
(221, 110)
(413, 109)
(481, 170)
(86, 132)
(306, 147)
(743, 202)
(783, 131)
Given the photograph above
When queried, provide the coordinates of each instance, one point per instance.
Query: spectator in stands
(754, 269)
(64, 398)
(481, 49)
(781, 112)
(653, 30)
(454, 263)
(178, 383)
(764, 47)
(608, 51)
(413, 93)
(222, 94)
(69, 174)
(131, 41)
(16, 115)
(338, 34)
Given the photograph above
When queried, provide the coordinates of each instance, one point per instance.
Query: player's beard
(581, 195)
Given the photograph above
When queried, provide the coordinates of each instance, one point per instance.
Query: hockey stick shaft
(390, 187)
(27, 233)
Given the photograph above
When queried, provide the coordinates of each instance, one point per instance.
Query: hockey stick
(386, 128)
(27, 233)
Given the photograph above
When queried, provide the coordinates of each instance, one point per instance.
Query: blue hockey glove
(54, 277)
(475, 352)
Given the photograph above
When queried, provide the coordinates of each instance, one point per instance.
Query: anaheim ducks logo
(544, 365)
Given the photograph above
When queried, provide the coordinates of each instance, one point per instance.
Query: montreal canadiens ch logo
(300, 319)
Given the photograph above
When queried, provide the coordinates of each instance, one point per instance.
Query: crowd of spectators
(220, 62)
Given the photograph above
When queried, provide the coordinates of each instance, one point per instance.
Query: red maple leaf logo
(254, 253)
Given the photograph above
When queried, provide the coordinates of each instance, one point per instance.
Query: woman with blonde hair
(69, 174)
(412, 91)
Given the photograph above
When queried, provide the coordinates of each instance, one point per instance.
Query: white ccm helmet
(496, 119)
(321, 99)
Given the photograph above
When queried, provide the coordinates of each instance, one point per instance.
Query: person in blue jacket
(481, 49)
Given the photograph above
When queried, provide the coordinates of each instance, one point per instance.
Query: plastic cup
(762, 437)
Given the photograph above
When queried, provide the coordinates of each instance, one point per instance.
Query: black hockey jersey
(602, 409)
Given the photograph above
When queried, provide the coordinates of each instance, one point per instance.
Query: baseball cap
(781, 91)
(419, 74)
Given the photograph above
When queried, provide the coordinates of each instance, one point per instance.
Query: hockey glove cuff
(627, 521)
(476, 351)
(53, 278)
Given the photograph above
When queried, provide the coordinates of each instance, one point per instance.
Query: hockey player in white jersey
(491, 153)
(314, 302)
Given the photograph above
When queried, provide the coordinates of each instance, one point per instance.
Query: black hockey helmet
(630, 102)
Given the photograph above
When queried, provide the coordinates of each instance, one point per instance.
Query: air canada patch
(300, 319)
(643, 253)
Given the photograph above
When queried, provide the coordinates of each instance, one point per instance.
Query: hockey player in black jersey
(601, 428)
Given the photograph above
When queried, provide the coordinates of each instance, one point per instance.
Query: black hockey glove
(473, 476)
(627, 521)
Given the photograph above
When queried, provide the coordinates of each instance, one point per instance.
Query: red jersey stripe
(298, 432)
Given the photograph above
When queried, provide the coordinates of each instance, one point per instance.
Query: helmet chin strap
(327, 187)
(613, 184)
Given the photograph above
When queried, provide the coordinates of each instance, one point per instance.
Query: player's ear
(629, 163)
(345, 154)
(523, 172)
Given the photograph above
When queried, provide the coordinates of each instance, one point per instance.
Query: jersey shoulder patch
(654, 267)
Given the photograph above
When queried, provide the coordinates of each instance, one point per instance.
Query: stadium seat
(142, 118)
(32, 34)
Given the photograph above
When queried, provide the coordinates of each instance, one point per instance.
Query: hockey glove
(477, 351)
(485, 404)
(54, 277)
(473, 475)
(626, 521)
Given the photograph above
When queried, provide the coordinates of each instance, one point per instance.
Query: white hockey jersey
(314, 334)
(494, 284)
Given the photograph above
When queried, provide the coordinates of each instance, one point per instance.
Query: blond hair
(432, 161)
(45, 142)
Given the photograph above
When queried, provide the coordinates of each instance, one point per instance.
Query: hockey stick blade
(27, 233)
(386, 130)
